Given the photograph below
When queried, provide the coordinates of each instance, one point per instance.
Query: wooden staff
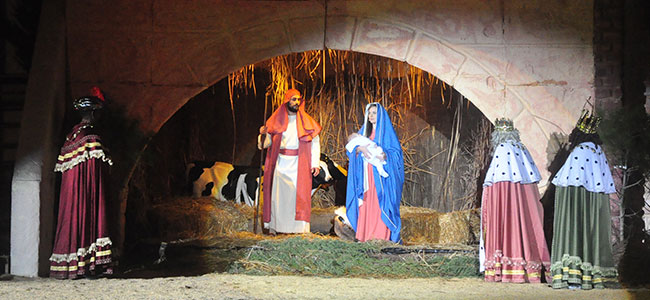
(259, 186)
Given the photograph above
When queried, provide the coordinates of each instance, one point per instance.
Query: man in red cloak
(82, 246)
(292, 160)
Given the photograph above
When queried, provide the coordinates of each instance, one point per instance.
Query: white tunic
(285, 177)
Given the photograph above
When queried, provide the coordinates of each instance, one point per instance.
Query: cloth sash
(289, 152)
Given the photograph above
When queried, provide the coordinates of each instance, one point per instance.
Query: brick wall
(608, 53)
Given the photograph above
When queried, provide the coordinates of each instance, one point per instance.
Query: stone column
(32, 189)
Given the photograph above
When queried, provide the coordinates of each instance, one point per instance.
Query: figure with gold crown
(581, 253)
(513, 248)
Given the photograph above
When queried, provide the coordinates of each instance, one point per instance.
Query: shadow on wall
(557, 151)
(126, 143)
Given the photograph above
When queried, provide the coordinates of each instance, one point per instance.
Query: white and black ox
(226, 182)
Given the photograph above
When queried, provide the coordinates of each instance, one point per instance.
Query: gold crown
(503, 124)
(588, 122)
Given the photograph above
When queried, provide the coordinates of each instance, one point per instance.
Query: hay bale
(200, 218)
(427, 226)
(459, 227)
(420, 225)
(475, 223)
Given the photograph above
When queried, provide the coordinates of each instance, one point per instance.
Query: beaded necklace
(74, 135)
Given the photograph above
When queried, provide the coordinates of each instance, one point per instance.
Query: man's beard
(292, 108)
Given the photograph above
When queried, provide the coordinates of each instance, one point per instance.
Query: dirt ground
(226, 286)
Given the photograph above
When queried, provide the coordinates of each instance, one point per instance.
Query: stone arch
(537, 74)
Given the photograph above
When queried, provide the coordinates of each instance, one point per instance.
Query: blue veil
(389, 189)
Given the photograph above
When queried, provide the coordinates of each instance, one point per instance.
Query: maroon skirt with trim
(82, 245)
(515, 248)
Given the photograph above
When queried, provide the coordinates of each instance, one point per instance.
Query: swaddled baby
(356, 139)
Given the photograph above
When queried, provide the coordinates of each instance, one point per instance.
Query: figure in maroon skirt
(82, 246)
(513, 248)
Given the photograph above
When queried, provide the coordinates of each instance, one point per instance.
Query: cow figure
(226, 182)
(330, 173)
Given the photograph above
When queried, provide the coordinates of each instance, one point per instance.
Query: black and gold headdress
(588, 122)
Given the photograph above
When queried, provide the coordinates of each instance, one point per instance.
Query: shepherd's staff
(259, 186)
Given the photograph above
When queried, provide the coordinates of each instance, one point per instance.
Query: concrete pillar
(32, 189)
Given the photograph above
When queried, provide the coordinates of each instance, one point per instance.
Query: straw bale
(459, 227)
(474, 216)
(206, 218)
(200, 218)
(420, 225)
(324, 210)
(427, 226)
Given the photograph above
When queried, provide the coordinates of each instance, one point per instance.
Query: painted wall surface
(531, 61)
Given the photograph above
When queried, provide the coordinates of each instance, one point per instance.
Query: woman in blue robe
(373, 200)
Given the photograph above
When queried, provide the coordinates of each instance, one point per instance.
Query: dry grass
(200, 218)
(420, 225)
(460, 227)
(427, 226)
(186, 218)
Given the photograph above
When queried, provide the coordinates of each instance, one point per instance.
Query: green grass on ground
(336, 258)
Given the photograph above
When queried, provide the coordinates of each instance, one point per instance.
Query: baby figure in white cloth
(356, 139)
